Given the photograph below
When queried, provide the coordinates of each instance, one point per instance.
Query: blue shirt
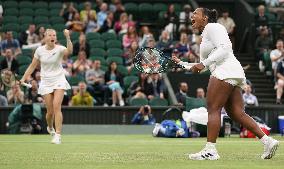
(101, 17)
(14, 44)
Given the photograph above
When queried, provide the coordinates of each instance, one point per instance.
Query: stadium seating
(128, 80)
(158, 102)
(138, 102)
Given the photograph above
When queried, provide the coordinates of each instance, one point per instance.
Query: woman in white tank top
(53, 82)
(224, 88)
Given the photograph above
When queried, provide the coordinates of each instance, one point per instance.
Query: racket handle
(26, 85)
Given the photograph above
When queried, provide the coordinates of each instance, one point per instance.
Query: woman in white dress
(224, 88)
(53, 82)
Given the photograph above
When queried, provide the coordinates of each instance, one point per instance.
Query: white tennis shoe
(51, 131)
(270, 148)
(207, 153)
(56, 139)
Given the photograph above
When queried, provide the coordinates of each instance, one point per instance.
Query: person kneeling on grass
(174, 129)
(144, 116)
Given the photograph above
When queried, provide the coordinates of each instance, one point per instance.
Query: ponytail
(211, 14)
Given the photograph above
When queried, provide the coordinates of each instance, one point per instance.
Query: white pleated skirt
(48, 85)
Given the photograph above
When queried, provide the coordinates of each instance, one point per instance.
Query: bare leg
(114, 97)
(48, 99)
(218, 93)
(235, 109)
(279, 92)
(58, 98)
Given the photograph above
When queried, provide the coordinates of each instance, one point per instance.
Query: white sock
(210, 145)
(264, 139)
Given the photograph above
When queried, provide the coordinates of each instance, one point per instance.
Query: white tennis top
(50, 61)
(217, 55)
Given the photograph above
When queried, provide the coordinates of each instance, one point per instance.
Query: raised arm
(69, 45)
(218, 35)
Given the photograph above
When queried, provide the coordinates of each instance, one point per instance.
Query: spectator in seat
(276, 7)
(29, 39)
(102, 15)
(129, 55)
(117, 8)
(129, 37)
(171, 20)
(154, 87)
(183, 46)
(95, 78)
(40, 33)
(92, 25)
(114, 80)
(185, 19)
(11, 43)
(68, 11)
(82, 45)
(15, 95)
(280, 81)
(182, 93)
(87, 11)
(98, 5)
(82, 98)
(9, 62)
(82, 64)
(121, 26)
(229, 24)
(144, 116)
(76, 24)
(200, 93)
(144, 35)
(32, 95)
(165, 43)
(277, 55)
(263, 44)
(248, 97)
(261, 19)
(136, 89)
(108, 25)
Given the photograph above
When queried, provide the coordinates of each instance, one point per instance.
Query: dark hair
(211, 14)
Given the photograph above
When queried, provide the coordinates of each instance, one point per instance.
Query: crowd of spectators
(269, 42)
(104, 84)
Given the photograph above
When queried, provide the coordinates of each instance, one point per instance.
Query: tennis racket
(8, 78)
(151, 60)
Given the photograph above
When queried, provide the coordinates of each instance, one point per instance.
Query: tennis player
(225, 84)
(53, 82)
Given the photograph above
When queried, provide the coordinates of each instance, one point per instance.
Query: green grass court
(130, 152)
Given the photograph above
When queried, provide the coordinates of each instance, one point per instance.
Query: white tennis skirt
(48, 85)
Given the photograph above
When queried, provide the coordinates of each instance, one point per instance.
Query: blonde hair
(49, 30)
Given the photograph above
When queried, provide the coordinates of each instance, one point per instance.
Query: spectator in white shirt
(277, 54)
(184, 18)
(248, 97)
(229, 24)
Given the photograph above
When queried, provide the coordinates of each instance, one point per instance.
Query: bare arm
(30, 69)
(69, 45)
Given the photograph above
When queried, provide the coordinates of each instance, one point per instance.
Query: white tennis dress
(217, 55)
(52, 72)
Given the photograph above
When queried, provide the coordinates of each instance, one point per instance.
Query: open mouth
(52, 41)
(192, 21)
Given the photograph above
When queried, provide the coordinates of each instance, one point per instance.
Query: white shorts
(236, 82)
(239, 82)
(48, 85)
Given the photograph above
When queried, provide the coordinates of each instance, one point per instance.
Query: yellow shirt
(84, 15)
(82, 100)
